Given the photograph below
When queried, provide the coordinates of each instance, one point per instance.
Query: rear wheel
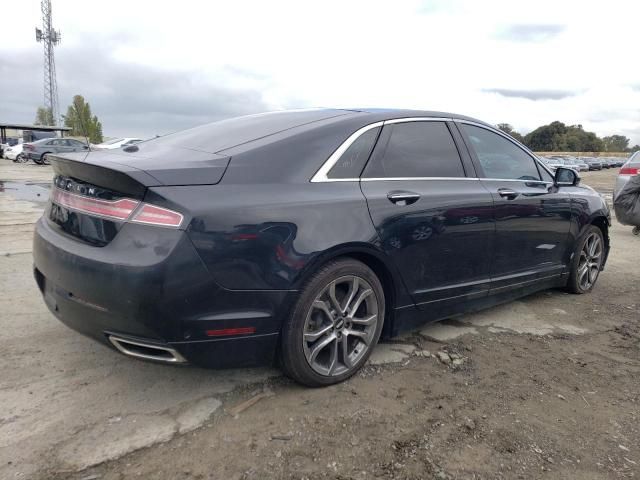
(636, 230)
(45, 159)
(587, 261)
(336, 323)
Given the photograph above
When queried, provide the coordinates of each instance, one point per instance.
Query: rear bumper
(149, 285)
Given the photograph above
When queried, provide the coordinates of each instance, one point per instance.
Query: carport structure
(17, 126)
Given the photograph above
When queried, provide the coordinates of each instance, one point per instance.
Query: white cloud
(451, 56)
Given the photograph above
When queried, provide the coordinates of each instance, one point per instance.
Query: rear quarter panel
(271, 236)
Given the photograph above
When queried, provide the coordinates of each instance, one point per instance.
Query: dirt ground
(545, 387)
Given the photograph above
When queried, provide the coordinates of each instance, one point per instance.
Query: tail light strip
(123, 209)
(629, 171)
(113, 209)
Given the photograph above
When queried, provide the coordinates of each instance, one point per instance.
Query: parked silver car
(557, 161)
(628, 170)
(38, 150)
(594, 163)
(581, 164)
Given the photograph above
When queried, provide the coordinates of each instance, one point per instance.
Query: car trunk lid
(94, 194)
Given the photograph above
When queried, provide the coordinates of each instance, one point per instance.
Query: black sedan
(305, 236)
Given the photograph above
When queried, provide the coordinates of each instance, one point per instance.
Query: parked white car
(116, 143)
(15, 153)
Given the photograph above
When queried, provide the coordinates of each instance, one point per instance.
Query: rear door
(433, 217)
(532, 216)
(75, 145)
(59, 146)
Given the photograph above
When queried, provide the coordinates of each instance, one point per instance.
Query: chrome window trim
(321, 174)
(395, 179)
(516, 180)
(417, 119)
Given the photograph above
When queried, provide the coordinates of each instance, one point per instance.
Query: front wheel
(335, 324)
(636, 230)
(21, 158)
(45, 159)
(587, 261)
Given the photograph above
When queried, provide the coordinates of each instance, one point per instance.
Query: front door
(433, 218)
(532, 217)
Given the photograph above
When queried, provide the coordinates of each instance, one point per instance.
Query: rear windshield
(225, 134)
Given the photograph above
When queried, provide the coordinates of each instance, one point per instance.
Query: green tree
(508, 129)
(81, 122)
(615, 143)
(44, 116)
(558, 137)
(635, 148)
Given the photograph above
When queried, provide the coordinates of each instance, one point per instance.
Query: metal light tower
(50, 38)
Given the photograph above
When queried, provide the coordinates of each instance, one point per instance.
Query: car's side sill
(412, 318)
(513, 286)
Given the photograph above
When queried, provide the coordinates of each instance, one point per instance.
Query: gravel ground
(545, 387)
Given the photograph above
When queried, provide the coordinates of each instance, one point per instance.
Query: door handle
(508, 193)
(403, 198)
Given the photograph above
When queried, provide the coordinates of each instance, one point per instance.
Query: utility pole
(50, 38)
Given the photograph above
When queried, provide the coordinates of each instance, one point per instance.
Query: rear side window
(352, 161)
(499, 157)
(416, 149)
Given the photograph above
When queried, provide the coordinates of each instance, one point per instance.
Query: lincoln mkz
(303, 237)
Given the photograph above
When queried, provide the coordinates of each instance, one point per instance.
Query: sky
(153, 67)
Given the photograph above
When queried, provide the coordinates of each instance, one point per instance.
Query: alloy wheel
(340, 326)
(590, 261)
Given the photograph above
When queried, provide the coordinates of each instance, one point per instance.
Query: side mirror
(566, 177)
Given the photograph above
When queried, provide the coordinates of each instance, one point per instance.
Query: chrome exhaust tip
(148, 351)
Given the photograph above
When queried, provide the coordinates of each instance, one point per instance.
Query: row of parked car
(629, 167)
(39, 150)
(582, 164)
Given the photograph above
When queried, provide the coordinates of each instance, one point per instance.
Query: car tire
(587, 261)
(45, 159)
(325, 341)
(20, 158)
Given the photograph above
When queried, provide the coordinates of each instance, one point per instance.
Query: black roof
(44, 128)
(220, 136)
